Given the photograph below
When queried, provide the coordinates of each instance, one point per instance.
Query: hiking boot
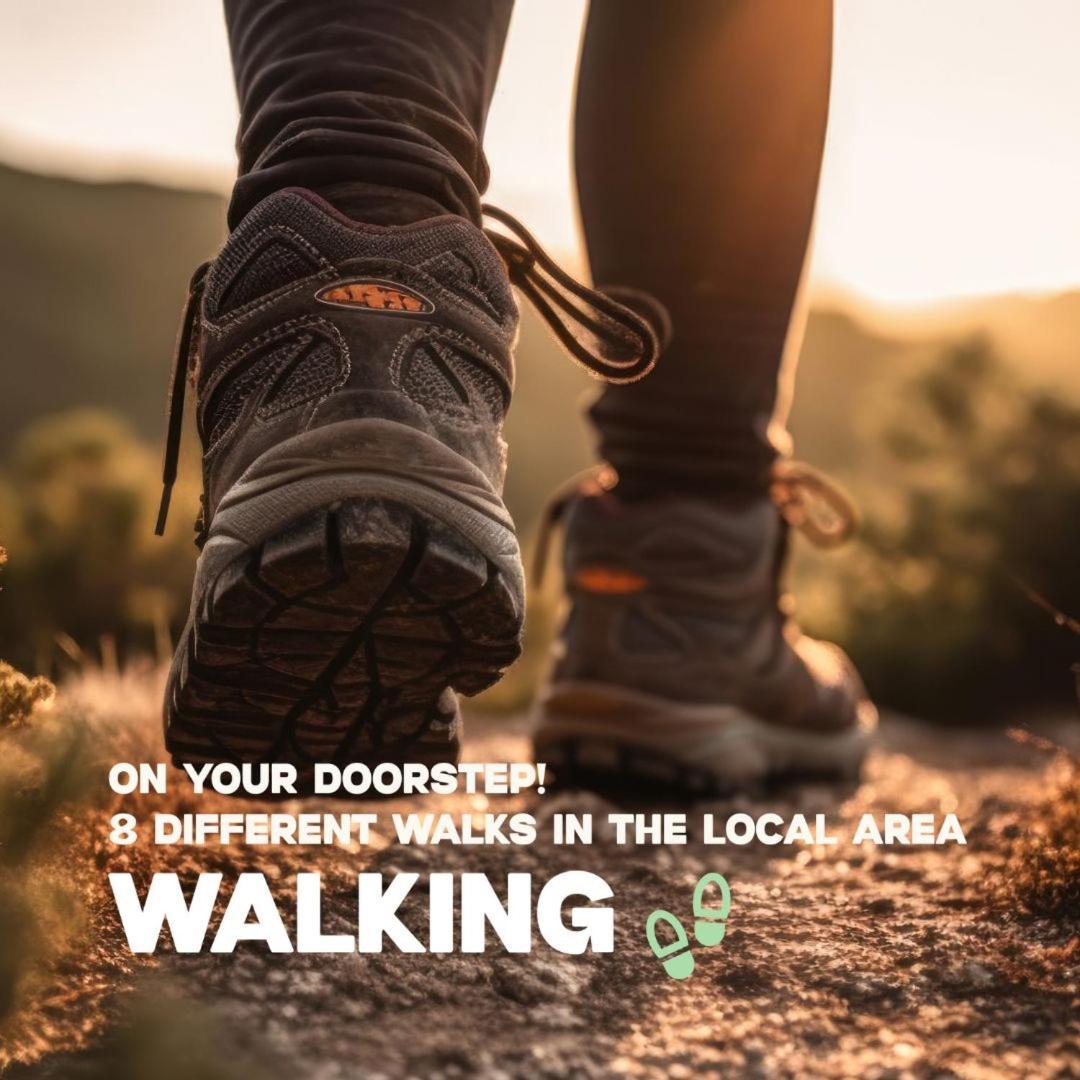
(358, 564)
(677, 665)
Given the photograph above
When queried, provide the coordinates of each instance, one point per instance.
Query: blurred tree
(981, 511)
(77, 506)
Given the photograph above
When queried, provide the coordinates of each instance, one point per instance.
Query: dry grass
(22, 696)
(1042, 874)
(43, 769)
(53, 782)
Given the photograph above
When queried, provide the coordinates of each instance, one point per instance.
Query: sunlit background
(938, 382)
(938, 378)
(952, 170)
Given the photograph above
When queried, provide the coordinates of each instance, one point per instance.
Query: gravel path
(838, 962)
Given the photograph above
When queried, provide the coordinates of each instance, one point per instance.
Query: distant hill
(92, 277)
(1040, 334)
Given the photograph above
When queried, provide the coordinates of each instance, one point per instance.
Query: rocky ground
(839, 962)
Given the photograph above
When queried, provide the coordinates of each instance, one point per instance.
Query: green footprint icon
(676, 956)
(709, 920)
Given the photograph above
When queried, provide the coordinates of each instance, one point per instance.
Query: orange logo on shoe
(375, 296)
(608, 580)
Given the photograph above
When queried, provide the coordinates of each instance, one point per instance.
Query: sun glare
(951, 170)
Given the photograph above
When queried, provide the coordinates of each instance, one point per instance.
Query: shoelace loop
(604, 336)
(813, 503)
(607, 338)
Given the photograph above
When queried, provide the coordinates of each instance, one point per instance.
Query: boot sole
(596, 735)
(339, 603)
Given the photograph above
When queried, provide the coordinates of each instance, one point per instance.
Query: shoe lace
(182, 366)
(608, 339)
(604, 336)
(813, 503)
(807, 499)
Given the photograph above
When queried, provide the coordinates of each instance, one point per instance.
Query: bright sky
(952, 170)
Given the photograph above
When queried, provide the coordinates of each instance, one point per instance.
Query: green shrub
(970, 486)
(77, 505)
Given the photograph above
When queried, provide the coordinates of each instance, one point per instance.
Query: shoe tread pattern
(339, 639)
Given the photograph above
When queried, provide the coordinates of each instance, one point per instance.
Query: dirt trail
(838, 962)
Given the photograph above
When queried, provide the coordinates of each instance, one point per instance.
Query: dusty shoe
(677, 665)
(358, 563)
